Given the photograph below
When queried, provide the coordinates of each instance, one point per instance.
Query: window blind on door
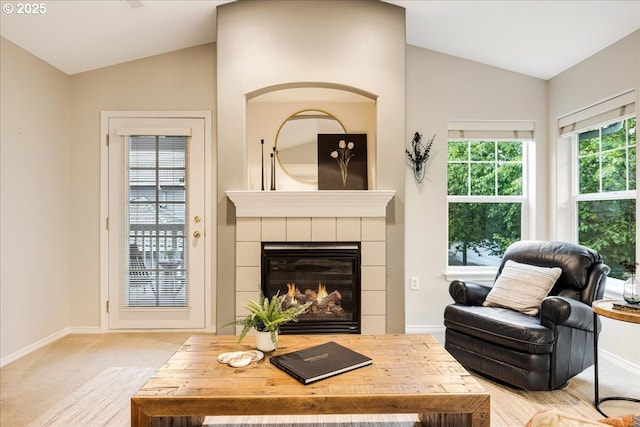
(155, 255)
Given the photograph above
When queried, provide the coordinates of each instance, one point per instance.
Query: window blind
(154, 131)
(619, 107)
(155, 256)
(522, 130)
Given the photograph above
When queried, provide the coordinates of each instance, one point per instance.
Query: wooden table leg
(195, 421)
(444, 420)
(481, 417)
(139, 418)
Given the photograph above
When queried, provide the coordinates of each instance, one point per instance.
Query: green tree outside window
(481, 228)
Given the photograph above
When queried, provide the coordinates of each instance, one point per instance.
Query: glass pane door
(156, 209)
(157, 236)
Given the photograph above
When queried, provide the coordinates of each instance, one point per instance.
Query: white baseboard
(45, 341)
(33, 347)
(84, 330)
(619, 362)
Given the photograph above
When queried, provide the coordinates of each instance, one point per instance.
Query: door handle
(196, 234)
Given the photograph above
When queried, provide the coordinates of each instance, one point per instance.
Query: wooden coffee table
(410, 374)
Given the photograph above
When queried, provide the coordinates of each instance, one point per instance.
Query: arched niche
(268, 110)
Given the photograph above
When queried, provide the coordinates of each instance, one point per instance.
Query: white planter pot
(263, 341)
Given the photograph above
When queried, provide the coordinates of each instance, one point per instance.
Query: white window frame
(496, 131)
(614, 287)
(619, 107)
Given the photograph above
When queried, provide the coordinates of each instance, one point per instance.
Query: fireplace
(327, 274)
(291, 217)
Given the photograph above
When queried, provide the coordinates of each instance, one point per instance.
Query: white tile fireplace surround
(308, 216)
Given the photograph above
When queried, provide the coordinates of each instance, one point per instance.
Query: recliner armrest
(566, 312)
(468, 293)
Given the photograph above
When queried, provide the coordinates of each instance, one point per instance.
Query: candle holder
(262, 167)
(273, 169)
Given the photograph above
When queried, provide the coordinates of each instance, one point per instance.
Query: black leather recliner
(530, 352)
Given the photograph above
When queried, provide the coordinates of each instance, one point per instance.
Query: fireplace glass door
(325, 274)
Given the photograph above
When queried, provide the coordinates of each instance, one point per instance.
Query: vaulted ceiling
(537, 38)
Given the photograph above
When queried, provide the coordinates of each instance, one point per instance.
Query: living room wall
(50, 194)
(34, 200)
(267, 44)
(441, 88)
(178, 81)
(608, 73)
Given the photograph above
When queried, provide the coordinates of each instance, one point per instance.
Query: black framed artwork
(342, 161)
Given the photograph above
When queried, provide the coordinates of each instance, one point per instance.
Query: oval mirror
(297, 143)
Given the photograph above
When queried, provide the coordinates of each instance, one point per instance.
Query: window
(487, 190)
(486, 199)
(603, 138)
(606, 196)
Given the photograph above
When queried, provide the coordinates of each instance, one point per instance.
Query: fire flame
(322, 292)
(291, 293)
(293, 290)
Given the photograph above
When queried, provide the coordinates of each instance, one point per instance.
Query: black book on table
(320, 361)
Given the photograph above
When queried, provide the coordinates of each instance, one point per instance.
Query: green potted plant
(265, 316)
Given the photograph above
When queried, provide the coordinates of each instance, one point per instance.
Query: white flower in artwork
(343, 155)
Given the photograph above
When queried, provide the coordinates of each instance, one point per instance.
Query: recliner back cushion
(522, 287)
(575, 261)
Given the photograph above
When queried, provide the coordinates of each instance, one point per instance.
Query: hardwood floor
(32, 385)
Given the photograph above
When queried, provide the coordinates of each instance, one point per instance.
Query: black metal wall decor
(419, 155)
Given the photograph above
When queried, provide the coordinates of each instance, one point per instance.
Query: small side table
(604, 308)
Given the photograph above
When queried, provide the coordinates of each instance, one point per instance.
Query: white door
(156, 250)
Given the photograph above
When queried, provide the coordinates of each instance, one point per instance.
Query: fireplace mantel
(325, 203)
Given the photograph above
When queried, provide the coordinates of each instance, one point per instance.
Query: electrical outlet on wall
(415, 283)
